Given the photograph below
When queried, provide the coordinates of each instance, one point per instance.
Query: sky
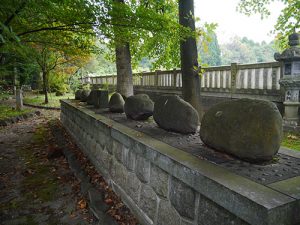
(232, 23)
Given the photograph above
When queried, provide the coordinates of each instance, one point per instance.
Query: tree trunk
(124, 71)
(45, 86)
(189, 58)
(123, 63)
(19, 99)
(15, 80)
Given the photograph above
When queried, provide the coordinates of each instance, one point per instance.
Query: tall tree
(189, 58)
(123, 60)
(53, 26)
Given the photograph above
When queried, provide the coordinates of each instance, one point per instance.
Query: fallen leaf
(108, 201)
(82, 204)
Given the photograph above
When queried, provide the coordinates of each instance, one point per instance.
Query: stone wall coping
(289, 152)
(204, 176)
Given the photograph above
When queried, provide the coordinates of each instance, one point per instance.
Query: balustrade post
(234, 70)
(174, 78)
(156, 78)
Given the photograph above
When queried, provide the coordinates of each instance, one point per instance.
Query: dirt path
(33, 188)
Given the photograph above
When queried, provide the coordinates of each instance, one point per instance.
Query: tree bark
(189, 58)
(15, 80)
(124, 71)
(123, 64)
(19, 99)
(45, 84)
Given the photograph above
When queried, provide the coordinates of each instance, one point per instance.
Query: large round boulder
(248, 129)
(84, 95)
(173, 113)
(138, 107)
(78, 94)
(116, 103)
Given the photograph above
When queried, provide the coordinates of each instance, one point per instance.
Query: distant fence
(260, 80)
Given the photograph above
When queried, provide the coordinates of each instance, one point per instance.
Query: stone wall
(163, 185)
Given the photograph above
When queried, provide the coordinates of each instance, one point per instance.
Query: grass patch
(4, 95)
(39, 99)
(291, 140)
(8, 112)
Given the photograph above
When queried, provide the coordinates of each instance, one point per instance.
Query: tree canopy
(287, 22)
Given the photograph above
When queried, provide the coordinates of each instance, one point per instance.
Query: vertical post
(174, 78)
(19, 99)
(234, 70)
(156, 78)
(265, 79)
(274, 74)
(142, 79)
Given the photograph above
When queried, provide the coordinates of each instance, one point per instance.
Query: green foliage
(58, 83)
(209, 50)
(291, 140)
(287, 23)
(38, 99)
(8, 112)
(243, 50)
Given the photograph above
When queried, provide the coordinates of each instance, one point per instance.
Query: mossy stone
(248, 129)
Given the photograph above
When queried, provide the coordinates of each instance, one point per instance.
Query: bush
(57, 83)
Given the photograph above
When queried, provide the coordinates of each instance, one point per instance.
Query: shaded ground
(34, 189)
(36, 183)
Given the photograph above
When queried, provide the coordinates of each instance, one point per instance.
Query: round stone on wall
(138, 107)
(248, 129)
(84, 95)
(116, 103)
(173, 113)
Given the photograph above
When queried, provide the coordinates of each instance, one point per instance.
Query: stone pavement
(33, 188)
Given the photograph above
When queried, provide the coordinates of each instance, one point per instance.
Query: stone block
(142, 169)
(119, 173)
(129, 159)
(122, 138)
(106, 160)
(133, 187)
(167, 215)
(183, 198)
(185, 222)
(98, 148)
(210, 213)
(159, 181)
(100, 99)
(148, 201)
(117, 149)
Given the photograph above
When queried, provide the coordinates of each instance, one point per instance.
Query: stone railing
(259, 80)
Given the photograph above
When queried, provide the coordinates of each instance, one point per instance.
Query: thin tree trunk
(17, 91)
(15, 80)
(189, 58)
(45, 85)
(19, 99)
(124, 71)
